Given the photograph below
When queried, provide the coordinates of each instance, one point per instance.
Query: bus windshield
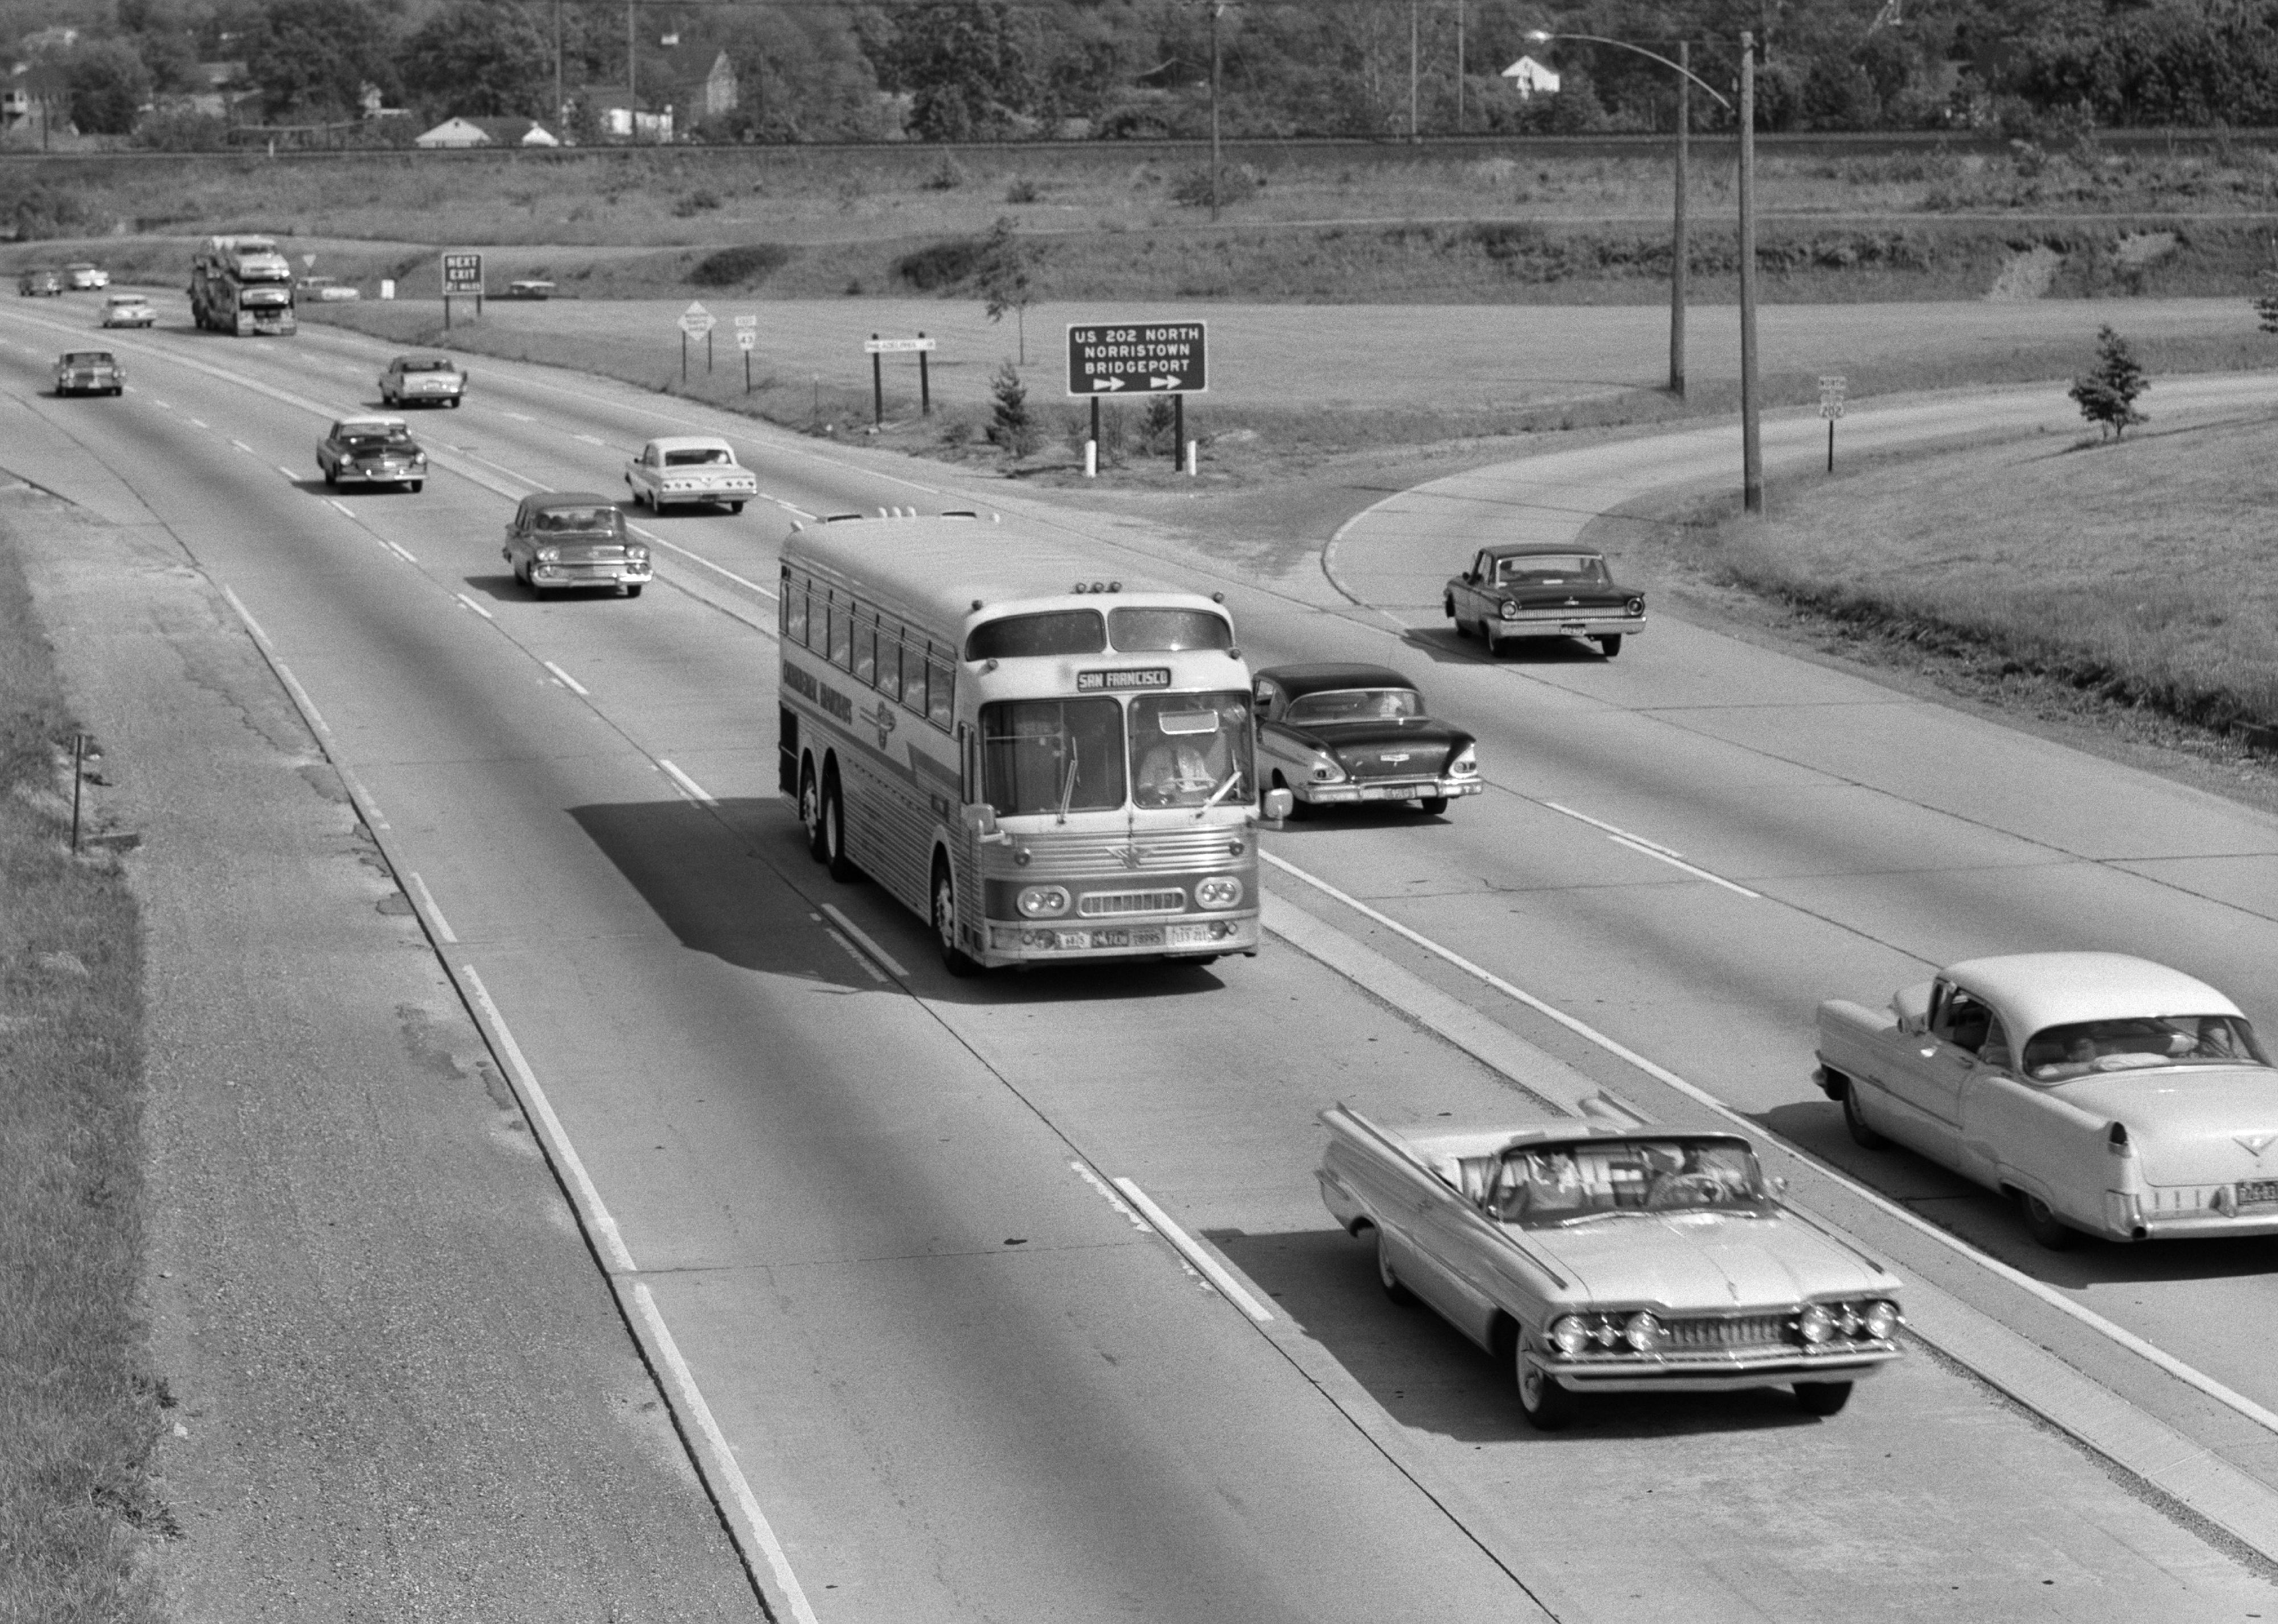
(1190, 749)
(1053, 632)
(1167, 631)
(1047, 755)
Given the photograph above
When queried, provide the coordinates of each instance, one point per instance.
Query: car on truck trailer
(244, 286)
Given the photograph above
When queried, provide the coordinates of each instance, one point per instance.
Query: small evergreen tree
(2107, 395)
(1004, 278)
(1011, 423)
(2266, 303)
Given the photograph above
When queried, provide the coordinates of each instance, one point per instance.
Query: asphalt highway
(954, 1371)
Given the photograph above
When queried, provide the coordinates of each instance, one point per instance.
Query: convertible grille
(1753, 1330)
(1110, 902)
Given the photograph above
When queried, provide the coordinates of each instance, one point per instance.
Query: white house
(454, 133)
(1528, 76)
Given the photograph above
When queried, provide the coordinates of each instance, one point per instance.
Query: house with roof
(461, 132)
(1528, 77)
(719, 93)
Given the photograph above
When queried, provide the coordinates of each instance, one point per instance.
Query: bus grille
(1111, 902)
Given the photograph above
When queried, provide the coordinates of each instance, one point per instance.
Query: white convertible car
(2107, 1094)
(687, 468)
(1612, 1260)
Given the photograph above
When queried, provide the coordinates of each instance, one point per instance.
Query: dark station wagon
(560, 539)
(1338, 734)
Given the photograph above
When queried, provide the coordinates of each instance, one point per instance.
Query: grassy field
(77, 1406)
(2135, 571)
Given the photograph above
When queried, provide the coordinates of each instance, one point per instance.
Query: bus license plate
(2257, 1192)
(1075, 939)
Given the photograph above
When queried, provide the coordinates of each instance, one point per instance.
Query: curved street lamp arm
(1539, 37)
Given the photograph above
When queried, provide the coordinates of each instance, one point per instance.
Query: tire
(634, 589)
(1611, 643)
(2043, 1224)
(418, 486)
(455, 403)
(1447, 608)
(1822, 1397)
(735, 507)
(330, 483)
(810, 813)
(954, 958)
(834, 834)
(1862, 1131)
(1399, 1293)
(1432, 806)
(1548, 1407)
(1493, 643)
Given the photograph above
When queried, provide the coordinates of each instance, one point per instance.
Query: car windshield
(88, 358)
(375, 440)
(427, 364)
(1567, 1183)
(2134, 1042)
(125, 299)
(559, 521)
(1551, 569)
(697, 458)
(1190, 749)
(1051, 755)
(1357, 705)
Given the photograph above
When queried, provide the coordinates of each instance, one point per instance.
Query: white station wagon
(690, 468)
(2107, 1094)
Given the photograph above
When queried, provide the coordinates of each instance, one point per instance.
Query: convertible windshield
(1357, 705)
(1565, 1183)
(2125, 1045)
(1190, 749)
(1552, 569)
(1051, 755)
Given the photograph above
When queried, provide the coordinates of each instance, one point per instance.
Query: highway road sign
(463, 273)
(896, 346)
(696, 321)
(1830, 395)
(1139, 357)
(747, 321)
(746, 338)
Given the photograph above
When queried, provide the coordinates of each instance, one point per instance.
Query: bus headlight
(1221, 890)
(1041, 902)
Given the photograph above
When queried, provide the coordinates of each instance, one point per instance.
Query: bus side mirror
(1278, 804)
(981, 823)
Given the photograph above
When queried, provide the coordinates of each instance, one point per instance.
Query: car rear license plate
(1388, 792)
(2257, 1192)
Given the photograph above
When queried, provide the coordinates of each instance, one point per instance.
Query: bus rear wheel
(954, 958)
(810, 813)
(834, 833)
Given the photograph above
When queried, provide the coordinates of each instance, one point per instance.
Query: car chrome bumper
(591, 575)
(1398, 789)
(1583, 625)
(1699, 1373)
(1052, 942)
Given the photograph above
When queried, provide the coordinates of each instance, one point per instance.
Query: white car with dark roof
(686, 470)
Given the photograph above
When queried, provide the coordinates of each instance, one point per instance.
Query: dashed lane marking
(695, 790)
(471, 604)
(434, 915)
(567, 680)
(1211, 1269)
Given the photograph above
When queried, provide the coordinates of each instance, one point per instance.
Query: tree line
(968, 70)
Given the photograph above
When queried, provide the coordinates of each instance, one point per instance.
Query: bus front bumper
(1031, 942)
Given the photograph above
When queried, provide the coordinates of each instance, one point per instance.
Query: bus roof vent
(959, 513)
(840, 519)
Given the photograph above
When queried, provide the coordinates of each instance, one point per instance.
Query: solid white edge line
(1584, 817)
(342, 506)
(426, 902)
(698, 558)
(2046, 1294)
(863, 937)
(301, 694)
(855, 953)
(471, 604)
(246, 615)
(1643, 850)
(614, 1256)
(756, 1526)
(568, 681)
(1107, 1193)
(697, 790)
(1211, 1268)
(365, 806)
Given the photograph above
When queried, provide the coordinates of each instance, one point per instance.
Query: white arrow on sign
(1106, 383)
(1162, 383)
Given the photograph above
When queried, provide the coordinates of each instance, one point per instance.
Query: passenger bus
(1049, 765)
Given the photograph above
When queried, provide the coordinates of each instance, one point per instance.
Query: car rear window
(428, 363)
(696, 458)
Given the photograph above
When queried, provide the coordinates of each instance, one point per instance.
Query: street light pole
(1752, 446)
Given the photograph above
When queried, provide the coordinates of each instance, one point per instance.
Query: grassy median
(79, 1412)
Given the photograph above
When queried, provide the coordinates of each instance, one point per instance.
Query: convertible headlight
(1815, 1325)
(1510, 609)
(1643, 1332)
(419, 460)
(1466, 763)
(1635, 606)
(1218, 891)
(1570, 1336)
(1041, 902)
(549, 555)
(1882, 1318)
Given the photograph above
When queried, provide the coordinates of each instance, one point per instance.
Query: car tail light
(1465, 764)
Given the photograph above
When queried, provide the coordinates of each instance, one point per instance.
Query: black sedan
(1337, 735)
(372, 451)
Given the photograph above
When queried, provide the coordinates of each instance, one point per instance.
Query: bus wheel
(953, 958)
(834, 833)
(810, 813)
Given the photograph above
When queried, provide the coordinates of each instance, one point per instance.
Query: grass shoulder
(78, 1404)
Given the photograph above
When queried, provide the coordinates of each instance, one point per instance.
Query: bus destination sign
(1117, 682)
(1163, 358)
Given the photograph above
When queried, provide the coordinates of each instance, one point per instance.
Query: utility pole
(559, 101)
(632, 77)
(1413, 30)
(1751, 449)
(1678, 251)
(1459, 66)
(1215, 12)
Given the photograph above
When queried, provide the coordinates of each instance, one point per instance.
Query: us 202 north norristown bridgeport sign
(1140, 358)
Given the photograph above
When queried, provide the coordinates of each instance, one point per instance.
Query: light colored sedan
(89, 371)
(423, 381)
(690, 468)
(128, 309)
(85, 275)
(2106, 1094)
(565, 538)
(1600, 1259)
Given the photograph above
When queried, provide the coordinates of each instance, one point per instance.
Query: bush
(1236, 183)
(946, 176)
(1022, 190)
(41, 209)
(733, 267)
(943, 265)
(695, 202)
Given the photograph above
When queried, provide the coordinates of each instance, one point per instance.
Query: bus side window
(938, 710)
(866, 651)
(842, 634)
(794, 612)
(889, 665)
(913, 681)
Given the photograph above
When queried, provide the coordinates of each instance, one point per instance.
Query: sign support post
(880, 348)
(748, 339)
(696, 321)
(1830, 407)
(1178, 428)
(925, 385)
(1091, 446)
(877, 385)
